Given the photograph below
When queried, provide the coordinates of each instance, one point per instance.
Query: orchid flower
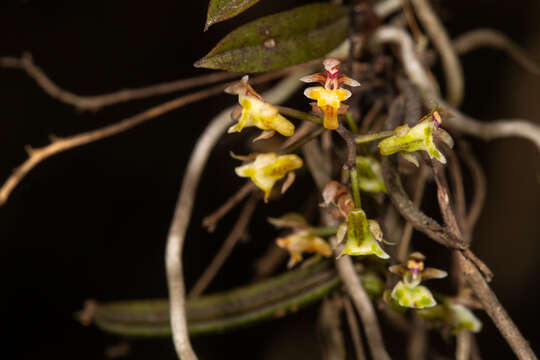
(409, 292)
(456, 316)
(302, 239)
(268, 168)
(330, 96)
(363, 236)
(256, 112)
(418, 138)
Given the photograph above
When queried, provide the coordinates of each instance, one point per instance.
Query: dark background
(92, 222)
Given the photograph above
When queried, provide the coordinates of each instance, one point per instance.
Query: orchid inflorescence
(361, 236)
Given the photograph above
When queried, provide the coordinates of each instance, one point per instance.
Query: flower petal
(417, 297)
(313, 93)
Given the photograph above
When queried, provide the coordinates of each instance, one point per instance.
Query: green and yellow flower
(418, 138)
(256, 112)
(408, 292)
(268, 168)
(363, 236)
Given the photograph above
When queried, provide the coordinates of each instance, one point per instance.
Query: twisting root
(461, 122)
(475, 39)
(451, 64)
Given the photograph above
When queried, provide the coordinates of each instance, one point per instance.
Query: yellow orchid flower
(330, 96)
(256, 112)
(329, 101)
(268, 168)
(303, 241)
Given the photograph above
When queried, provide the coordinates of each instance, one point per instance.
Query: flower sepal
(363, 236)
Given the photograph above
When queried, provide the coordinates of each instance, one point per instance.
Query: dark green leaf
(221, 10)
(283, 39)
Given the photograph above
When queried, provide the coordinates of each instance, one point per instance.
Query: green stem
(325, 231)
(360, 139)
(355, 189)
(300, 115)
(302, 141)
(351, 122)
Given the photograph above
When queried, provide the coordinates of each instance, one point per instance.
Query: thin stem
(58, 145)
(94, 103)
(331, 339)
(476, 279)
(97, 102)
(360, 139)
(355, 188)
(364, 307)
(300, 115)
(355, 329)
(404, 243)
(325, 231)
(210, 222)
(351, 122)
(226, 249)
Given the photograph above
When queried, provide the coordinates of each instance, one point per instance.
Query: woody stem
(350, 164)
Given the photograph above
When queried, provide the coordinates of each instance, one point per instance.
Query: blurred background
(92, 222)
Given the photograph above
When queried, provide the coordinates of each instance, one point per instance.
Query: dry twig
(95, 103)
(217, 262)
(354, 328)
(58, 145)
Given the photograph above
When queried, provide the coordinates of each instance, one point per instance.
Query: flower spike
(268, 168)
(256, 112)
(330, 96)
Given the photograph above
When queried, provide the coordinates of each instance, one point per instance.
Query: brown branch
(476, 279)
(463, 345)
(210, 222)
(230, 242)
(450, 61)
(354, 329)
(417, 344)
(456, 177)
(58, 145)
(94, 103)
(330, 331)
(405, 240)
(364, 307)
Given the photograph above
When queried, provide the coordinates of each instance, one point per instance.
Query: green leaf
(221, 10)
(280, 40)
